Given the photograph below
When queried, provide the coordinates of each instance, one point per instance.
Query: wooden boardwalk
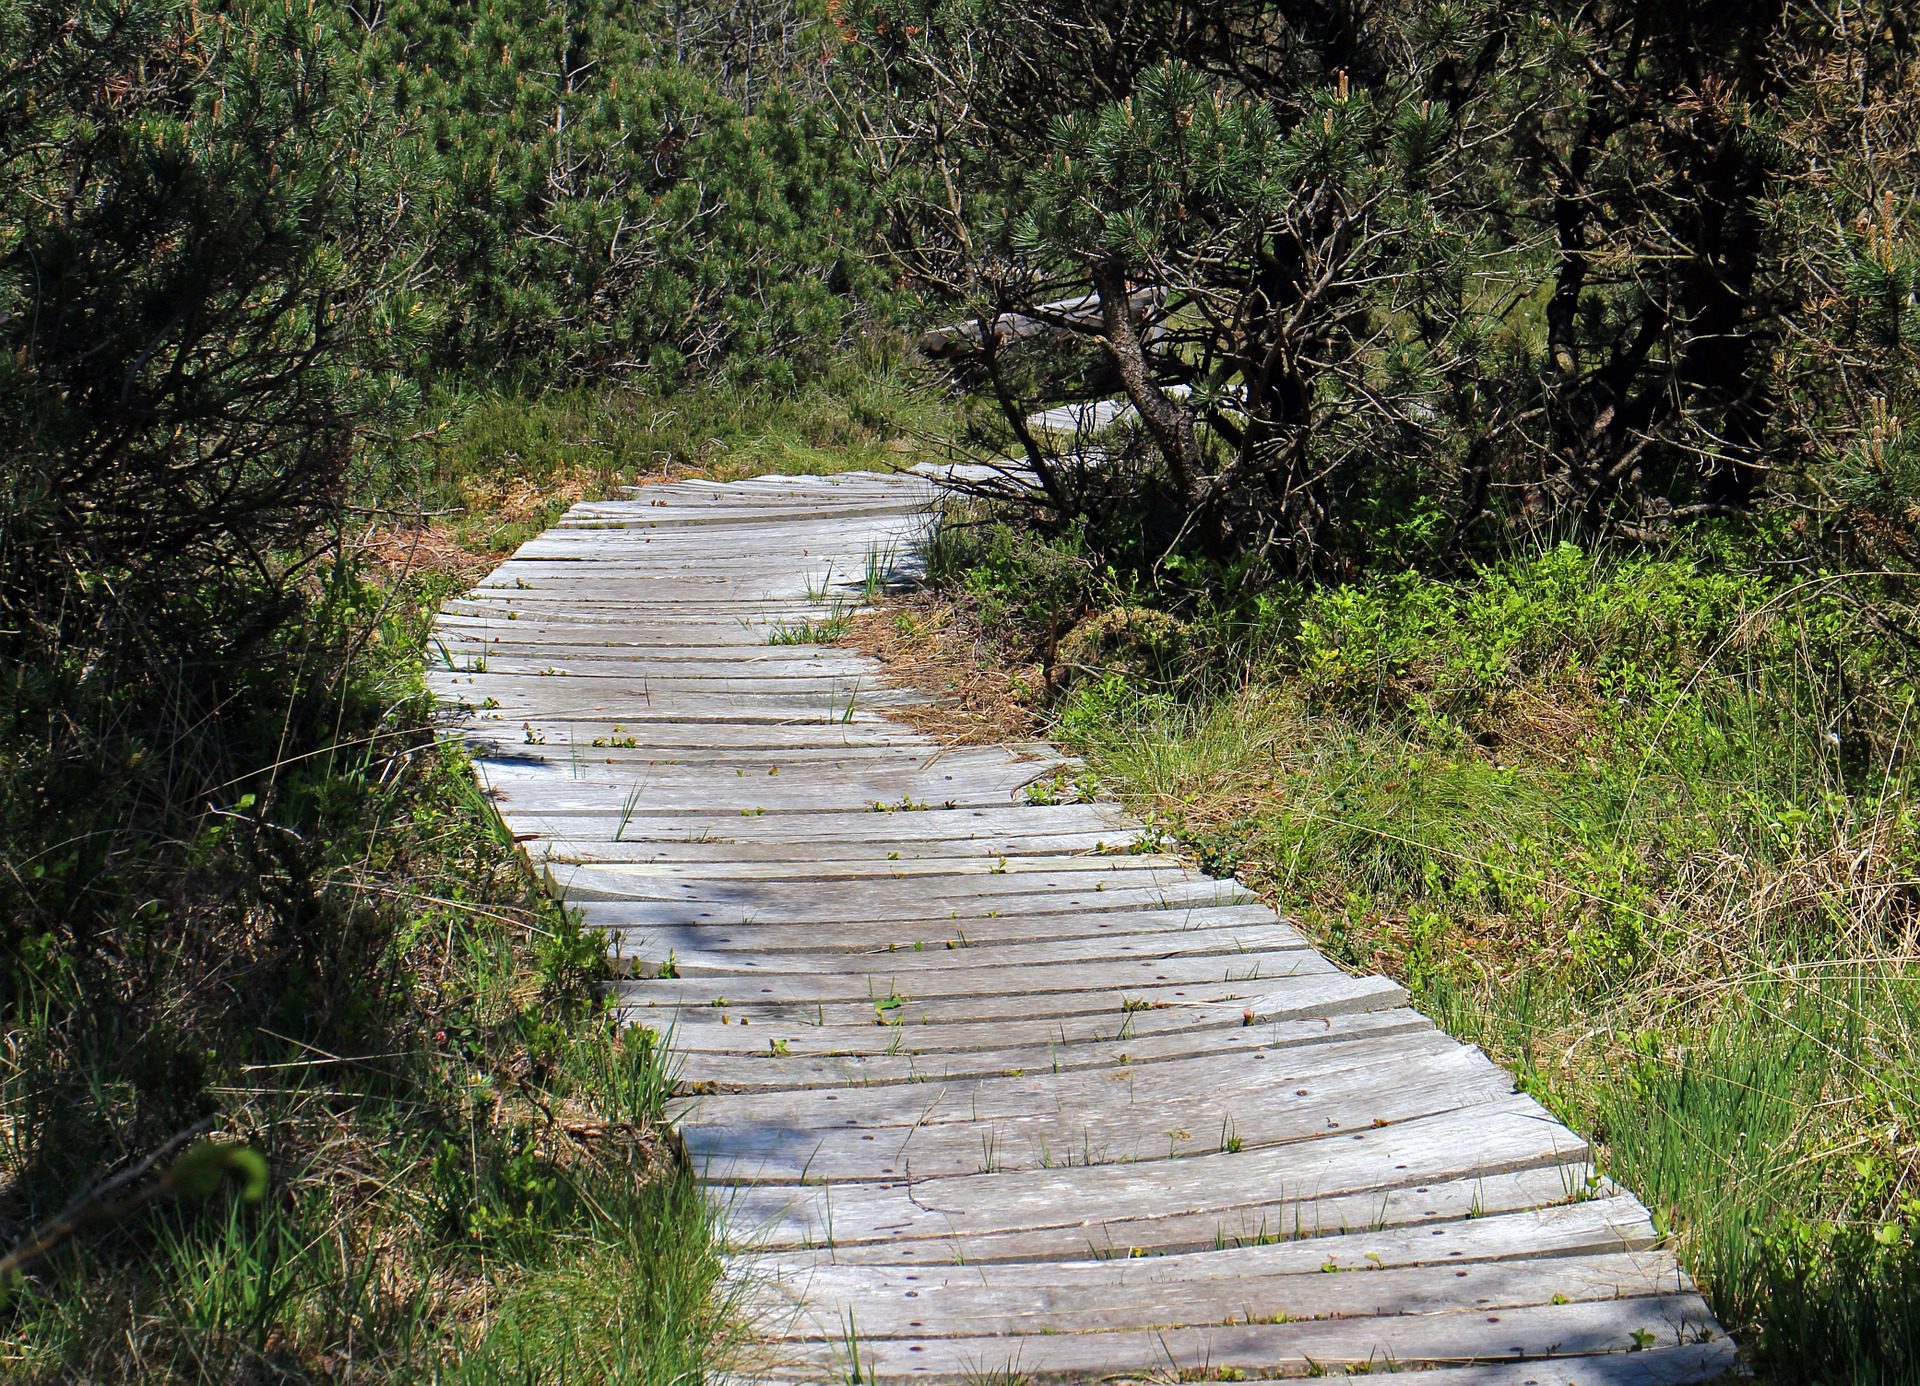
(989, 1090)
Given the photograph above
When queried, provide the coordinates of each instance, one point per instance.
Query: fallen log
(1064, 317)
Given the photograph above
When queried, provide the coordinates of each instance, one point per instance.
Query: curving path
(988, 1089)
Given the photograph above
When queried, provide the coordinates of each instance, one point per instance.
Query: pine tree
(596, 204)
(1288, 189)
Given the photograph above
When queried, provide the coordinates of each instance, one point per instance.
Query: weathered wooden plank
(738, 736)
(666, 777)
(1226, 1114)
(1259, 1217)
(947, 935)
(1608, 1223)
(550, 794)
(562, 753)
(960, 824)
(478, 643)
(687, 516)
(709, 1071)
(932, 872)
(742, 648)
(589, 705)
(1404, 1340)
(744, 951)
(1035, 1032)
(757, 630)
(1117, 1295)
(650, 697)
(828, 752)
(676, 604)
(884, 851)
(771, 905)
(657, 681)
(1661, 1366)
(715, 952)
(1239, 978)
(1491, 1138)
(998, 1095)
(925, 893)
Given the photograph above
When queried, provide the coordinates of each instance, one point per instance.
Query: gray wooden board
(745, 952)
(943, 1065)
(935, 946)
(1635, 1366)
(666, 784)
(827, 773)
(716, 1014)
(862, 783)
(674, 518)
(454, 641)
(946, 934)
(865, 823)
(614, 750)
(743, 848)
(754, 631)
(1491, 1137)
(671, 736)
(870, 976)
(493, 627)
(1607, 1223)
(932, 872)
(1468, 1335)
(1117, 1295)
(657, 681)
(1083, 888)
(1135, 1126)
(1257, 1218)
(483, 728)
(629, 753)
(826, 750)
(639, 577)
(666, 607)
(712, 1071)
(831, 700)
(1242, 1077)
(773, 903)
(729, 795)
(588, 705)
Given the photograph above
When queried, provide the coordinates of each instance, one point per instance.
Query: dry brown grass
(516, 498)
(932, 645)
(400, 552)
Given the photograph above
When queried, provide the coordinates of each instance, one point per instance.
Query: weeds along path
(985, 1086)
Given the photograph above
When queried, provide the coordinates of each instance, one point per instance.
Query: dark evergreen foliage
(610, 188)
(1427, 274)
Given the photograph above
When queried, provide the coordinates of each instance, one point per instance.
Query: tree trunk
(1168, 420)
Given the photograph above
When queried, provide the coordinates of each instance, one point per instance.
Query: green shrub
(592, 205)
(1026, 586)
(194, 322)
(1146, 646)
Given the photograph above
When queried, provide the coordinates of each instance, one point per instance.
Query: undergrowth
(333, 957)
(1643, 826)
(497, 468)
